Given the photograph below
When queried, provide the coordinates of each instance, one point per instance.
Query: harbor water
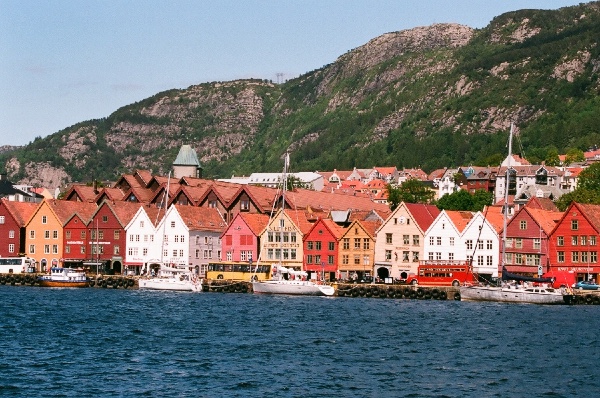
(131, 343)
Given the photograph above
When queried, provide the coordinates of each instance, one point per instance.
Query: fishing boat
(64, 277)
(285, 280)
(173, 279)
(514, 288)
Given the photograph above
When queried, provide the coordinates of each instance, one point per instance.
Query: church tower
(187, 164)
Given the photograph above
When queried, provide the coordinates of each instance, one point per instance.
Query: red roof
(460, 219)
(255, 221)
(20, 211)
(423, 214)
(546, 219)
(201, 218)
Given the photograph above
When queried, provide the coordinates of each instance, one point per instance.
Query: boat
(514, 288)
(289, 281)
(285, 280)
(64, 277)
(173, 279)
(170, 277)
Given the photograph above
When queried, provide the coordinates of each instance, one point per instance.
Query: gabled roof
(300, 219)
(20, 211)
(144, 177)
(335, 229)
(64, 209)
(545, 219)
(494, 215)
(110, 194)
(423, 214)
(123, 211)
(81, 193)
(439, 173)
(591, 213)
(541, 203)
(460, 219)
(257, 222)
(201, 218)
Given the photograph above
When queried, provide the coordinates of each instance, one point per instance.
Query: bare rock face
(570, 68)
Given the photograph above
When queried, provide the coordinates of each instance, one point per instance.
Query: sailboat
(285, 280)
(170, 276)
(514, 288)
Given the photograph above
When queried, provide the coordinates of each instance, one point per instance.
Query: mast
(286, 160)
(166, 203)
(505, 215)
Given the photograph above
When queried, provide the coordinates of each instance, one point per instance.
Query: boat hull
(49, 283)
(510, 295)
(172, 284)
(298, 288)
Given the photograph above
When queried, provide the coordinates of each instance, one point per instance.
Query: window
(509, 242)
(82, 234)
(318, 245)
(366, 259)
(346, 243)
(584, 257)
(197, 253)
(480, 244)
(593, 257)
(431, 240)
(405, 256)
(388, 255)
(46, 234)
(451, 241)
(229, 255)
(46, 249)
(560, 256)
(309, 259)
(406, 239)
(489, 244)
(176, 238)
(104, 218)
(523, 224)
(31, 249)
(415, 257)
(145, 251)
(388, 239)
(32, 234)
(54, 234)
(430, 256)
(574, 257)
(469, 244)
(11, 247)
(415, 240)
(172, 224)
(518, 258)
(175, 253)
(451, 256)
(356, 259)
(366, 244)
(537, 243)
(438, 256)
(345, 259)
(574, 240)
(330, 259)
(309, 245)
(356, 243)
(68, 249)
(489, 261)
(117, 234)
(244, 205)
(82, 249)
(331, 246)
(142, 224)
(519, 243)
(560, 241)
(292, 237)
(574, 225)
(592, 241)
(438, 240)
(44, 219)
(1, 219)
(116, 250)
(583, 240)
(11, 234)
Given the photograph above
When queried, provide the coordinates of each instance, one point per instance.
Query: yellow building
(357, 250)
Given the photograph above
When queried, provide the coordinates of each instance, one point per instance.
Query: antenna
(279, 77)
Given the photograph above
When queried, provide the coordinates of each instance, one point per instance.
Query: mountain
(428, 97)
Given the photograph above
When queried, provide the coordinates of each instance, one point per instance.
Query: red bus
(442, 273)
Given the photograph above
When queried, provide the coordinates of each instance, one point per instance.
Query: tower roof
(186, 157)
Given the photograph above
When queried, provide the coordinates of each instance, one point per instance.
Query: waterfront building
(527, 241)
(399, 241)
(241, 239)
(77, 245)
(574, 241)
(481, 240)
(13, 218)
(321, 252)
(356, 259)
(443, 242)
(141, 239)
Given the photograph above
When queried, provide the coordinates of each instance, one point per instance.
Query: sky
(66, 61)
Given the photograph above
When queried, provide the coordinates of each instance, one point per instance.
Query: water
(126, 343)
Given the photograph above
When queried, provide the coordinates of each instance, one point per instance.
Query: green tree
(459, 200)
(574, 155)
(589, 178)
(580, 195)
(411, 191)
(482, 198)
(552, 158)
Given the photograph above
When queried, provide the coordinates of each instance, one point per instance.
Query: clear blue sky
(66, 61)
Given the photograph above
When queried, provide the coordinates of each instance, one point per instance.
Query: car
(587, 285)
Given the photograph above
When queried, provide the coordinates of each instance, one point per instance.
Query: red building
(13, 218)
(106, 234)
(527, 240)
(75, 245)
(241, 240)
(574, 241)
(321, 245)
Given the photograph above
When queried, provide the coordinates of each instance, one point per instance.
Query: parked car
(587, 285)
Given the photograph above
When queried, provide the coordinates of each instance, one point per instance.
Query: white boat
(174, 279)
(64, 277)
(514, 292)
(286, 280)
